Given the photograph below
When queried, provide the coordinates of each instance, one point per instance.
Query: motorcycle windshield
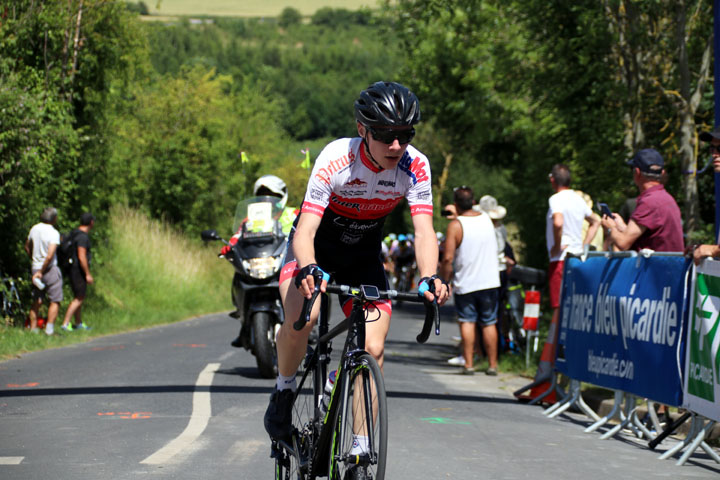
(257, 217)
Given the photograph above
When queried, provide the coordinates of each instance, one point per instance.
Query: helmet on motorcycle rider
(387, 104)
(274, 185)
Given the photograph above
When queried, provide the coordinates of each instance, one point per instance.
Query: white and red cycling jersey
(353, 196)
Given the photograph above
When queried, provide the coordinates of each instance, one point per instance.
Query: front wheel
(264, 342)
(360, 424)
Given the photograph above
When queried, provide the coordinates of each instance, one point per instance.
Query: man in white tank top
(471, 251)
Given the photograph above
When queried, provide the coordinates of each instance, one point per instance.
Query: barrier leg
(680, 445)
(616, 407)
(626, 420)
(568, 399)
(697, 441)
(639, 425)
(586, 408)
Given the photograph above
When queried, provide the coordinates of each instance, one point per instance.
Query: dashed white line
(201, 413)
(11, 460)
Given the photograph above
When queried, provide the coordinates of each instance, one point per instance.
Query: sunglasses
(388, 136)
(714, 148)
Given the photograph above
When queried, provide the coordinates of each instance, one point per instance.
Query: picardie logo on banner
(704, 339)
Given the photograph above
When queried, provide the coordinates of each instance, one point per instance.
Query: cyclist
(354, 185)
(270, 186)
(404, 258)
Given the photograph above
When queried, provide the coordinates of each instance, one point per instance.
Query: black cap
(708, 136)
(86, 218)
(648, 160)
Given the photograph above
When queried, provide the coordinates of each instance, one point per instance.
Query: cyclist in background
(354, 185)
(403, 258)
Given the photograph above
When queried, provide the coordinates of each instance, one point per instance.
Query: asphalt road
(178, 402)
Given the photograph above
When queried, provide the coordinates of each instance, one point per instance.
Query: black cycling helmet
(387, 104)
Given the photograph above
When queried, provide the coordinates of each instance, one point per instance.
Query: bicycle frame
(313, 438)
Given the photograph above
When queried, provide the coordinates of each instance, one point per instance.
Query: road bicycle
(12, 309)
(321, 442)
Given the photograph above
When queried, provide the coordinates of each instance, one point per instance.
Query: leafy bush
(289, 16)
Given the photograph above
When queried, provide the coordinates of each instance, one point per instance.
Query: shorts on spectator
(78, 283)
(480, 306)
(53, 286)
(555, 274)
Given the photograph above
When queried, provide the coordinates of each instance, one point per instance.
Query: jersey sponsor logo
(324, 174)
(426, 195)
(421, 209)
(308, 207)
(388, 193)
(355, 183)
(414, 168)
(386, 183)
(352, 193)
(355, 225)
(362, 208)
(350, 239)
(319, 195)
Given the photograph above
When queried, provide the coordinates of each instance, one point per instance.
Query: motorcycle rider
(271, 186)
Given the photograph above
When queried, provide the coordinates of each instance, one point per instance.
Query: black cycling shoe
(237, 343)
(357, 472)
(278, 416)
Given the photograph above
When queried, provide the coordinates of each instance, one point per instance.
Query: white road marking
(11, 460)
(201, 413)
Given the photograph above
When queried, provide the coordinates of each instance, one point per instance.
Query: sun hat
(489, 205)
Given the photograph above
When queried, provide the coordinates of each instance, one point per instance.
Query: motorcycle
(257, 258)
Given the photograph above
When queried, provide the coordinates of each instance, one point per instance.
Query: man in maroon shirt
(656, 223)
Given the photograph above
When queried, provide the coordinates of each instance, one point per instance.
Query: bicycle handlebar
(432, 314)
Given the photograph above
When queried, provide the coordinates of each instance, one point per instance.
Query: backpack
(67, 251)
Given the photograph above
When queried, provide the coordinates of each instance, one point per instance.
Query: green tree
(289, 16)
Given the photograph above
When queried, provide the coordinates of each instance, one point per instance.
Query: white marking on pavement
(11, 460)
(201, 413)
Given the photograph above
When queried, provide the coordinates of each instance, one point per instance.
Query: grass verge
(151, 275)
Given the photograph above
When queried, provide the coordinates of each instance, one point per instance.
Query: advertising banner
(702, 365)
(622, 324)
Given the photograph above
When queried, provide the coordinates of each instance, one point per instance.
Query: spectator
(566, 213)
(471, 250)
(41, 245)
(699, 252)
(79, 273)
(506, 256)
(596, 243)
(655, 223)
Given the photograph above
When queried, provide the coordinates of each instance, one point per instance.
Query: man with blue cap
(656, 223)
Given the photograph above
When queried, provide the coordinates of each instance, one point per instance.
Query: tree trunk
(442, 182)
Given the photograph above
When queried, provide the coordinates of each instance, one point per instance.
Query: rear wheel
(365, 416)
(264, 341)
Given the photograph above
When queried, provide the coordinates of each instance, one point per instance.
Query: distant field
(248, 8)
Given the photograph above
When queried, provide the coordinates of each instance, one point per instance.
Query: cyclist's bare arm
(304, 249)
(426, 254)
